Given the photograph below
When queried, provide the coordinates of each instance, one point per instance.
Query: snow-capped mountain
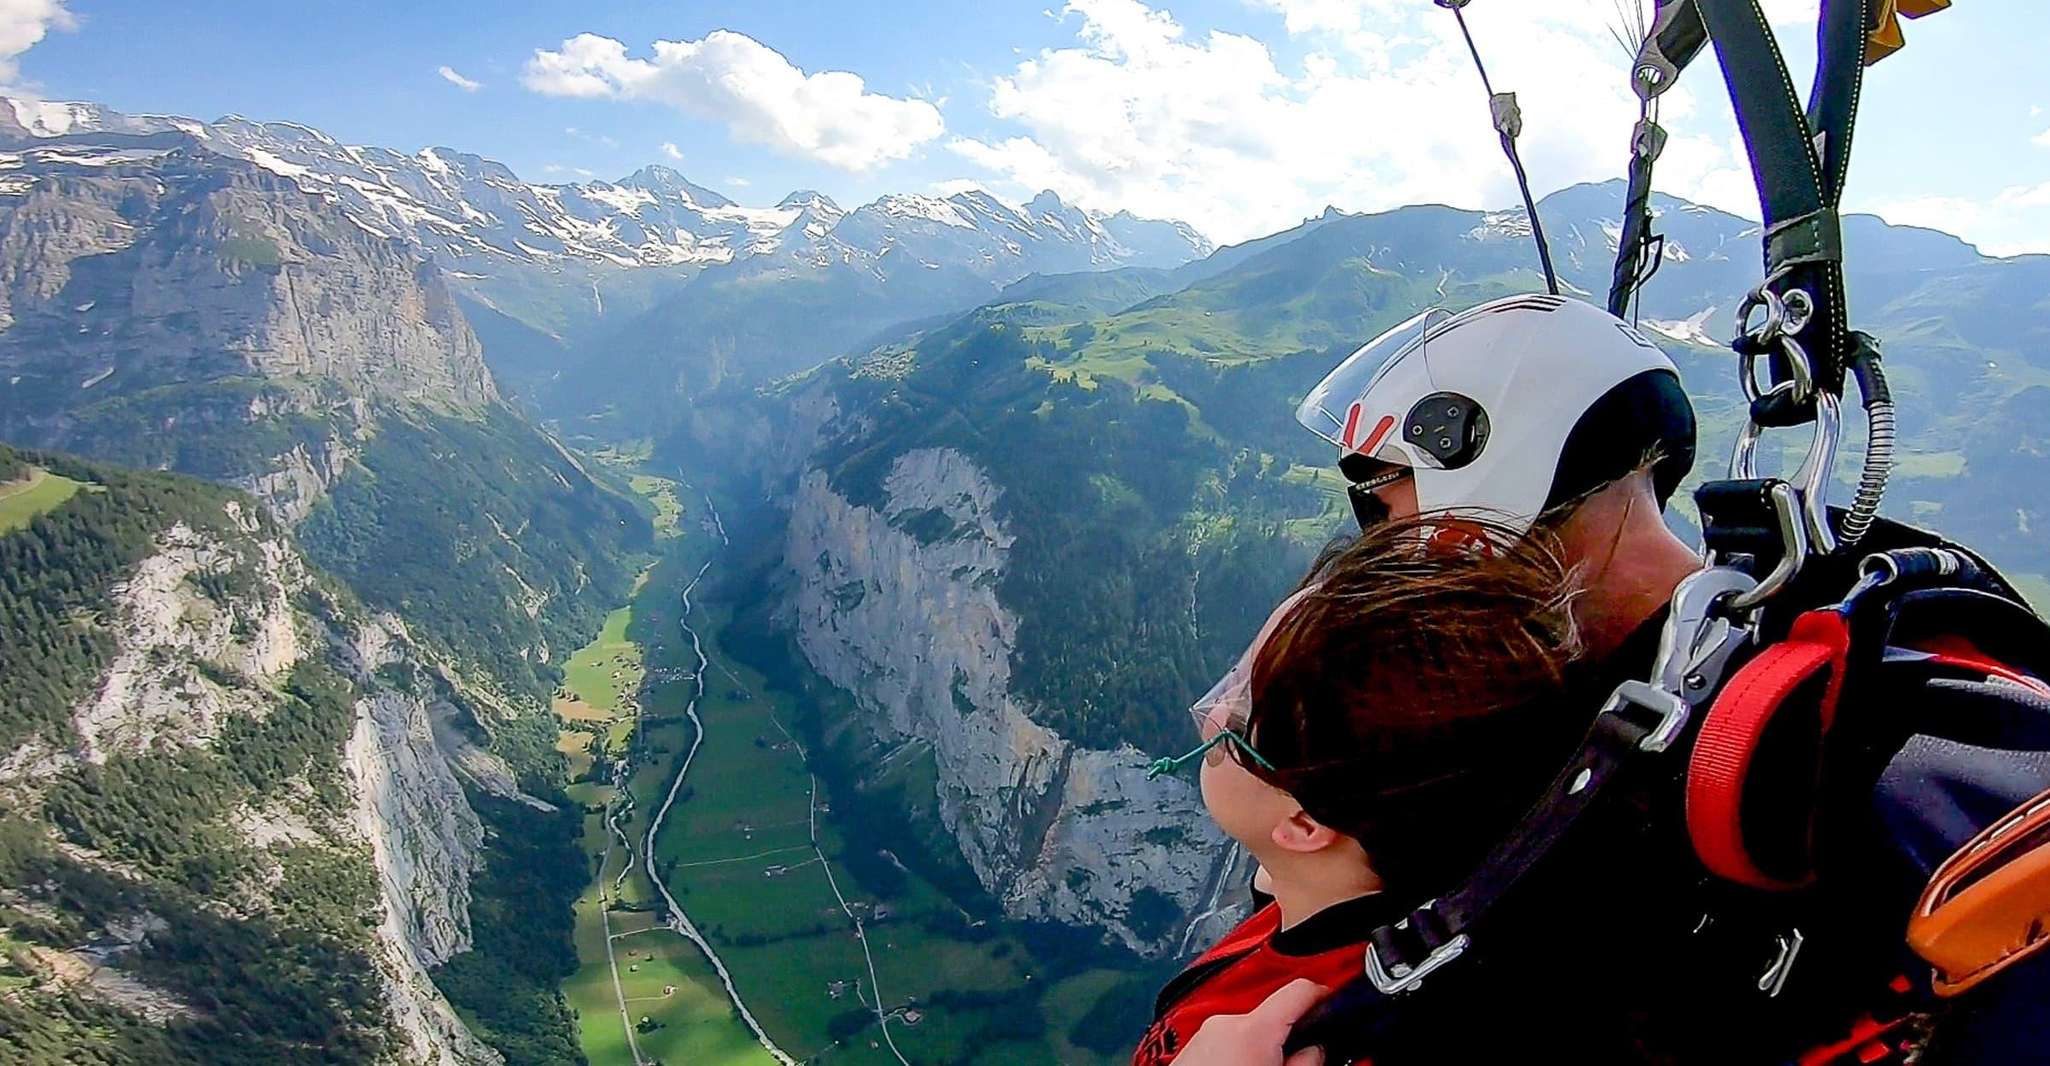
(468, 210)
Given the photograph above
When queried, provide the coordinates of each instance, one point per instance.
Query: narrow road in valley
(678, 920)
(860, 933)
(619, 991)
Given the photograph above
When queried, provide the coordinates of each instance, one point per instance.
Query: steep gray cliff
(898, 605)
(206, 630)
(130, 269)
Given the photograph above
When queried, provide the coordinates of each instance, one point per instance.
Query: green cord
(1170, 765)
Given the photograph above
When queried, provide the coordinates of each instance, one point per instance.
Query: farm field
(21, 501)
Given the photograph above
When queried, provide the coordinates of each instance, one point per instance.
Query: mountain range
(1017, 482)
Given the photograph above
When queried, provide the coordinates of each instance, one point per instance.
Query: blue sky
(1239, 115)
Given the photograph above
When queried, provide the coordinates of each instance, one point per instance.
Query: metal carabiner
(1812, 478)
(1698, 640)
(1786, 506)
(1775, 315)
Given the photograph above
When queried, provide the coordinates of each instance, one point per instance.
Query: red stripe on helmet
(1380, 433)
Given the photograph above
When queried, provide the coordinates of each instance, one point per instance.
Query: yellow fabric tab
(1886, 37)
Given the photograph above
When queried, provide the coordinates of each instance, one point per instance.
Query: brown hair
(1406, 700)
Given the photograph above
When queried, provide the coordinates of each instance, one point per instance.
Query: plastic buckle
(1402, 977)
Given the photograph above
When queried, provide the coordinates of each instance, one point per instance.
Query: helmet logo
(1352, 443)
(1448, 427)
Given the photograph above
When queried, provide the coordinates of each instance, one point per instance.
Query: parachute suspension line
(1508, 121)
(1639, 251)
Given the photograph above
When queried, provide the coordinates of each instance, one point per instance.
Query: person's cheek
(1401, 500)
(1209, 787)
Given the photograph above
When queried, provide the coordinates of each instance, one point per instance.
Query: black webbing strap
(1799, 157)
(1420, 941)
(1677, 36)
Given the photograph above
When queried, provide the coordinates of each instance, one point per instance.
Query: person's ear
(1301, 833)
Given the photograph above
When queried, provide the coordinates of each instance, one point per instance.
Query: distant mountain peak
(657, 178)
(809, 198)
(474, 214)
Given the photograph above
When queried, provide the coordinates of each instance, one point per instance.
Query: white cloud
(1951, 214)
(594, 138)
(449, 75)
(1385, 110)
(672, 151)
(739, 183)
(2042, 138)
(23, 24)
(2016, 221)
(559, 169)
(763, 99)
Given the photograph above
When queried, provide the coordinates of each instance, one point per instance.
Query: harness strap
(1988, 907)
(1804, 674)
(1400, 955)
(1952, 650)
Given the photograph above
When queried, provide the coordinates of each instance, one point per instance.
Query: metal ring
(1800, 309)
(1811, 480)
(1744, 460)
(1799, 365)
(1801, 385)
(1775, 315)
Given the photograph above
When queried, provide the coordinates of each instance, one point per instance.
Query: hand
(1255, 1039)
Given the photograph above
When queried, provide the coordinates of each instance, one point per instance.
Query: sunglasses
(1220, 735)
(1221, 714)
(1368, 509)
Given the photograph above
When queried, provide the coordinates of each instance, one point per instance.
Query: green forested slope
(133, 861)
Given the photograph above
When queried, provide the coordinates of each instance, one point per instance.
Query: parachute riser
(1800, 156)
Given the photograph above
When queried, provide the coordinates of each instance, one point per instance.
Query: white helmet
(1507, 409)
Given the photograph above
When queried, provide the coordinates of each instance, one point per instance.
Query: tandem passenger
(1389, 722)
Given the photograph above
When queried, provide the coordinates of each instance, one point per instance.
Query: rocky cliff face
(167, 305)
(898, 605)
(205, 631)
(148, 263)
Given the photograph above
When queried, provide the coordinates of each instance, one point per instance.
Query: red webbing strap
(1959, 653)
(1723, 752)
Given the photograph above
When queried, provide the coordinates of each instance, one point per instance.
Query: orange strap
(1988, 907)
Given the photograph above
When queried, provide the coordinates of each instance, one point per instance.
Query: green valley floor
(833, 967)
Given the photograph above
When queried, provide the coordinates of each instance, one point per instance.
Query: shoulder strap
(1639, 723)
